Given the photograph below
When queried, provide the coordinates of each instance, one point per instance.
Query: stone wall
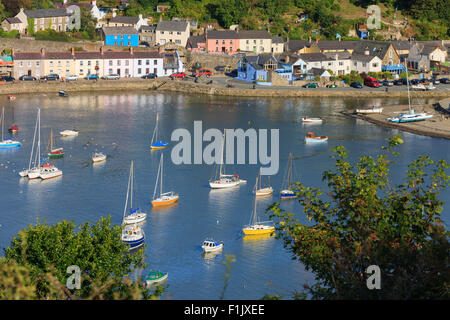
(209, 61)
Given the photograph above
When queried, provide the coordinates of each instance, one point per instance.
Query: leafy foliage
(43, 253)
(364, 221)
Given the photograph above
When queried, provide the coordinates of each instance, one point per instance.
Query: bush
(52, 35)
(10, 34)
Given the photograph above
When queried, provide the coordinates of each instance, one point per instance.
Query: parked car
(72, 77)
(202, 72)
(416, 81)
(150, 76)
(398, 82)
(372, 82)
(356, 85)
(331, 85)
(238, 55)
(52, 77)
(27, 78)
(178, 75)
(311, 85)
(445, 80)
(7, 79)
(388, 83)
(91, 77)
(220, 68)
(145, 43)
(113, 76)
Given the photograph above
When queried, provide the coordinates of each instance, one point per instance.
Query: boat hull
(316, 140)
(287, 194)
(223, 185)
(134, 243)
(212, 249)
(159, 145)
(56, 155)
(46, 176)
(264, 192)
(10, 144)
(312, 120)
(255, 231)
(165, 201)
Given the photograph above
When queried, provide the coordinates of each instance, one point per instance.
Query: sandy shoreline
(438, 126)
(196, 88)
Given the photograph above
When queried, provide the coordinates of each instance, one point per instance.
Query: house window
(155, 62)
(118, 62)
(155, 71)
(81, 63)
(217, 41)
(67, 63)
(126, 71)
(375, 65)
(217, 49)
(139, 70)
(341, 63)
(231, 41)
(162, 32)
(231, 48)
(110, 71)
(178, 41)
(139, 63)
(59, 63)
(127, 62)
(223, 41)
(38, 63)
(89, 63)
(147, 62)
(110, 62)
(170, 32)
(179, 33)
(29, 63)
(81, 71)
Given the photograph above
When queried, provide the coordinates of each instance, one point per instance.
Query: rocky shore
(196, 88)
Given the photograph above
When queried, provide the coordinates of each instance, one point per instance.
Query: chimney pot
(101, 50)
(131, 50)
(42, 51)
(73, 50)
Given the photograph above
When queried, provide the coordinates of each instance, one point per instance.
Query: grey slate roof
(193, 41)
(124, 19)
(108, 31)
(277, 40)
(254, 34)
(46, 13)
(172, 25)
(402, 45)
(221, 34)
(294, 45)
(341, 55)
(376, 48)
(362, 57)
(336, 44)
(259, 60)
(13, 20)
(313, 57)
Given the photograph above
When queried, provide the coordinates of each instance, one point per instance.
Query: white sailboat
(155, 144)
(25, 172)
(411, 116)
(8, 143)
(35, 172)
(165, 198)
(134, 215)
(286, 193)
(256, 227)
(260, 192)
(98, 157)
(225, 180)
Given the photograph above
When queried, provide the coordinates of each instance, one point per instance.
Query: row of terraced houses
(84, 63)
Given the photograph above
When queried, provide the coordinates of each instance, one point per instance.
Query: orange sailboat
(165, 198)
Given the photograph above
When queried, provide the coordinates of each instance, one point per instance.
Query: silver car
(112, 77)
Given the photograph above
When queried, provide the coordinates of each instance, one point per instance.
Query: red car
(372, 82)
(201, 73)
(178, 75)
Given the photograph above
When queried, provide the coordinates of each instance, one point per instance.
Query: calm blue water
(121, 125)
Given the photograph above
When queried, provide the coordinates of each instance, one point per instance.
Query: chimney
(101, 50)
(94, 3)
(366, 51)
(42, 52)
(317, 40)
(73, 51)
(131, 50)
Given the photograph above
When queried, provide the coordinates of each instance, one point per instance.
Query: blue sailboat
(7, 143)
(155, 144)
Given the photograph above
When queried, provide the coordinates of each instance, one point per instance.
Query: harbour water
(121, 125)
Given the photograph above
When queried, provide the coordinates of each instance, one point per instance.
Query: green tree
(363, 219)
(97, 249)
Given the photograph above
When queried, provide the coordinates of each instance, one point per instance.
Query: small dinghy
(11, 97)
(312, 120)
(155, 277)
(98, 157)
(211, 245)
(310, 138)
(13, 129)
(69, 133)
(63, 93)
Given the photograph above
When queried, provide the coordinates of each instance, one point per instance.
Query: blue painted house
(259, 69)
(120, 36)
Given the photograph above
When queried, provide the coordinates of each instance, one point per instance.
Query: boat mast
(157, 178)
(34, 139)
(155, 132)
(223, 148)
(131, 185)
(39, 141)
(290, 169)
(254, 208)
(407, 83)
(3, 121)
(162, 161)
(128, 191)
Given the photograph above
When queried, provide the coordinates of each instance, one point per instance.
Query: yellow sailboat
(256, 227)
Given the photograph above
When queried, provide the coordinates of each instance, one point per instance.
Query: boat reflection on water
(165, 208)
(209, 256)
(258, 237)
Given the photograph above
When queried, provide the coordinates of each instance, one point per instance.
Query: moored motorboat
(312, 120)
(68, 133)
(11, 97)
(133, 235)
(63, 93)
(210, 245)
(98, 157)
(410, 117)
(310, 138)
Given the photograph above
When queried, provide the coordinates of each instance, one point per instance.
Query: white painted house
(148, 62)
(366, 63)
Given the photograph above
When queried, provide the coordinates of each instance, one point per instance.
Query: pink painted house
(222, 41)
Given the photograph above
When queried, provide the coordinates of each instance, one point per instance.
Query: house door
(29, 72)
(223, 49)
(118, 72)
(147, 70)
